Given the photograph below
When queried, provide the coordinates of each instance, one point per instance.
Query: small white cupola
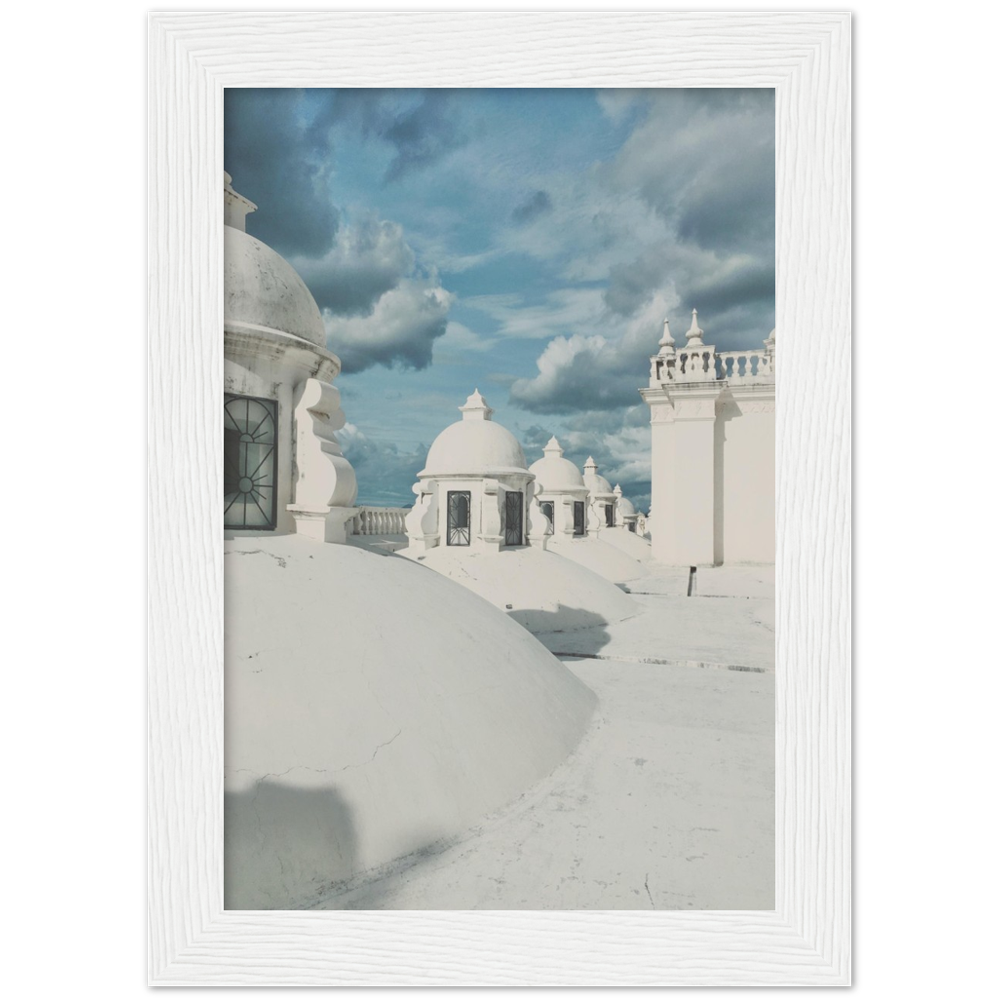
(475, 490)
(561, 493)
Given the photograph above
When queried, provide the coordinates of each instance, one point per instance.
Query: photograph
(498, 458)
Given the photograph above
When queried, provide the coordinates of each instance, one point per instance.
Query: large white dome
(373, 709)
(554, 473)
(475, 446)
(625, 507)
(263, 290)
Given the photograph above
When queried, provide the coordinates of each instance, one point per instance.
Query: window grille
(513, 518)
(459, 517)
(609, 515)
(250, 457)
(579, 518)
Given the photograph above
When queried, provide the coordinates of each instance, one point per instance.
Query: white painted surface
(325, 486)
(632, 544)
(263, 290)
(747, 422)
(806, 939)
(713, 453)
(478, 456)
(665, 805)
(602, 497)
(273, 349)
(676, 772)
(544, 591)
(476, 445)
(601, 556)
(693, 522)
(357, 729)
(559, 482)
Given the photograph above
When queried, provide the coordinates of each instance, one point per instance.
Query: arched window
(250, 456)
(549, 510)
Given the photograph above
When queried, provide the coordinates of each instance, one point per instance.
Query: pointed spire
(666, 341)
(591, 465)
(617, 491)
(553, 447)
(476, 408)
(694, 334)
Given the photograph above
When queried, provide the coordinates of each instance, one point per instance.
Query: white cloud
(596, 372)
(368, 258)
(458, 338)
(401, 328)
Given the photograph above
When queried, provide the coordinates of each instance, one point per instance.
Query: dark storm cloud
(422, 135)
(729, 205)
(282, 168)
(705, 163)
(537, 204)
(749, 283)
(631, 285)
(279, 149)
(379, 305)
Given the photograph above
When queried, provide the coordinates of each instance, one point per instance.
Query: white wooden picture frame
(806, 939)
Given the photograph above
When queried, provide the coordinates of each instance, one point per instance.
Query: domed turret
(262, 290)
(278, 376)
(475, 446)
(562, 495)
(475, 490)
(554, 473)
(594, 482)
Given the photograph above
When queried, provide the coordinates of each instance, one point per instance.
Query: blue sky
(525, 242)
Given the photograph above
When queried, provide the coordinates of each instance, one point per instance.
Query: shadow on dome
(273, 830)
(565, 619)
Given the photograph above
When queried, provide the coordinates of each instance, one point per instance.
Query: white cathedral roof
(372, 707)
(554, 473)
(475, 446)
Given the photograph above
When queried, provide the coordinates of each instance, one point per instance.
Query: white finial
(553, 447)
(695, 333)
(666, 341)
(617, 490)
(769, 343)
(591, 464)
(476, 408)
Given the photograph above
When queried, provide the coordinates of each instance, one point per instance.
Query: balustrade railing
(736, 367)
(744, 366)
(380, 521)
